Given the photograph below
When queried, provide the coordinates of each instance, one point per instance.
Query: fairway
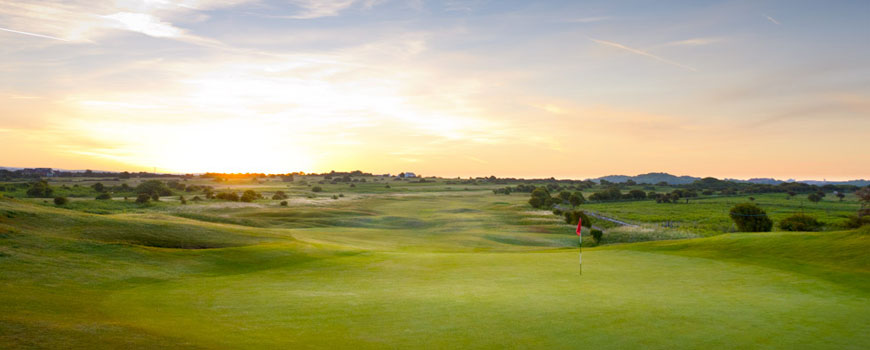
(410, 269)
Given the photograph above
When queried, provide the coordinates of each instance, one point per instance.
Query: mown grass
(413, 269)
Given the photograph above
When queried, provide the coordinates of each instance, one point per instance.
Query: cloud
(642, 53)
(32, 34)
(86, 21)
(145, 24)
(772, 20)
(693, 42)
(321, 8)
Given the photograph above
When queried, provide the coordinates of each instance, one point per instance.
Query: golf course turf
(425, 269)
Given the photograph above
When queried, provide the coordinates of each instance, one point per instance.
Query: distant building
(41, 172)
(407, 174)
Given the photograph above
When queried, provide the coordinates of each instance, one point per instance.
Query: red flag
(579, 225)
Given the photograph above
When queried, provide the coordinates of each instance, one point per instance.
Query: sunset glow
(455, 88)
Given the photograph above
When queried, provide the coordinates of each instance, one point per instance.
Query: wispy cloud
(772, 20)
(32, 34)
(642, 53)
(693, 42)
(321, 8)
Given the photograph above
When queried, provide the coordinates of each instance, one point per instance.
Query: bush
(154, 187)
(283, 203)
(104, 196)
(317, 189)
(249, 196)
(596, 235)
(155, 197)
(855, 221)
(814, 197)
(182, 200)
(800, 222)
(196, 199)
(143, 198)
(40, 189)
(60, 200)
(279, 195)
(572, 216)
(750, 218)
(334, 197)
(228, 196)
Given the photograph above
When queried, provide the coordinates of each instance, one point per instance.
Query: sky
(568, 89)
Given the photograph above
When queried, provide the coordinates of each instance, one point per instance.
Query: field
(420, 265)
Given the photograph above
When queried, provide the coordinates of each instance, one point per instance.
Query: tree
(143, 198)
(564, 196)
(800, 222)
(841, 195)
(40, 189)
(99, 187)
(318, 189)
(576, 199)
(104, 196)
(182, 200)
(791, 194)
(228, 196)
(814, 197)
(572, 216)
(154, 187)
(60, 200)
(540, 198)
(155, 197)
(283, 203)
(249, 196)
(636, 194)
(750, 218)
(864, 197)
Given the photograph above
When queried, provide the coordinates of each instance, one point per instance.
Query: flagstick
(580, 238)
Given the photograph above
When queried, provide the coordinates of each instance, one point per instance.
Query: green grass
(710, 215)
(416, 268)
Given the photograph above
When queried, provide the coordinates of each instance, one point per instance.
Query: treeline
(11, 175)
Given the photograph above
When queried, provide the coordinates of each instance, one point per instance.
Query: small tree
(814, 197)
(841, 195)
(60, 200)
(40, 189)
(279, 195)
(143, 198)
(283, 203)
(864, 197)
(572, 216)
(576, 199)
(155, 197)
(791, 194)
(800, 222)
(750, 218)
(248, 196)
(99, 187)
(182, 200)
(317, 189)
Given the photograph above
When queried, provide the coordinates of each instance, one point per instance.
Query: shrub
(155, 197)
(153, 187)
(182, 200)
(40, 189)
(99, 187)
(855, 221)
(283, 203)
(143, 198)
(800, 222)
(317, 189)
(104, 196)
(196, 199)
(228, 196)
(750, 218)
(572, 216)
(814, 197)
(334, 197)
(279, 195)
(249, 196)
(596, 235)
(60, 200)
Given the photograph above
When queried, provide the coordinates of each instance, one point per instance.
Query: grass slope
(423, 270)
